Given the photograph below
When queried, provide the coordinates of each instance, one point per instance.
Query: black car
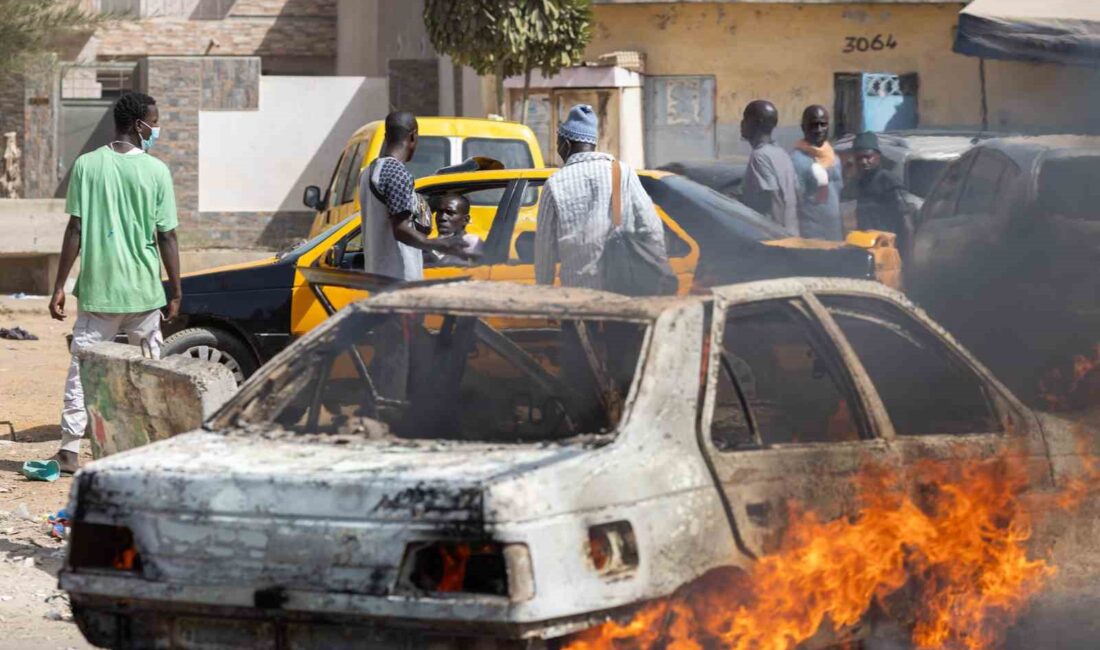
(1006, 256)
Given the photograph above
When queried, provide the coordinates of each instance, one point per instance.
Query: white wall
(260, 161)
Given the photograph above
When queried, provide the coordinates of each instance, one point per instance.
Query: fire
(455, 558)
(951, 561)
(1065, 391)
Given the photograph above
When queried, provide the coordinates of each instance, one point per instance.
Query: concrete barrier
(133, 401)
(30, 243)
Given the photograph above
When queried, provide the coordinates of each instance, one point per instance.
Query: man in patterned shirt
(395, 225)
(574, 219)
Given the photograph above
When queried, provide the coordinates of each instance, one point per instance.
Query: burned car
(1005, 254)
(503, 465)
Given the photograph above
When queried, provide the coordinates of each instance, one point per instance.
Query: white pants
(91, 328)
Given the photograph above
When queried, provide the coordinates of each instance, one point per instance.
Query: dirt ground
(35, 614)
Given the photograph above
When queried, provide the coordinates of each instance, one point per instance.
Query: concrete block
(31, 226)
(132, 400)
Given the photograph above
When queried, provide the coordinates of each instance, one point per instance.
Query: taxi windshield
(417, 375)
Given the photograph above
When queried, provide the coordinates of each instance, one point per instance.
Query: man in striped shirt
(574, 218)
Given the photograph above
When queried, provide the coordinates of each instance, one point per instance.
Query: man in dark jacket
(880, 198)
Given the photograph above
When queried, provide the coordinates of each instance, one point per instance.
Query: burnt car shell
(1005, 255)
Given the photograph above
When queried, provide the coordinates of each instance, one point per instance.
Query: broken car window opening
(457, 377)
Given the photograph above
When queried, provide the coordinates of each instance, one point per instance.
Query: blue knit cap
(581, 125)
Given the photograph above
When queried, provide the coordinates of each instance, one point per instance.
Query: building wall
(387, 38)
(292, 35)
(788, 52)
(261, 161)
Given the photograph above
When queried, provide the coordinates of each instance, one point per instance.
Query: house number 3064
(874, 44)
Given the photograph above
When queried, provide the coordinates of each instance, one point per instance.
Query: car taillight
(96, 546)
(612, 547)
(486, 568)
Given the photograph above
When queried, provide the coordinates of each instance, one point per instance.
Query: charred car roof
(513, 298)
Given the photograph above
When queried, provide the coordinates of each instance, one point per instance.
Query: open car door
(346, 256)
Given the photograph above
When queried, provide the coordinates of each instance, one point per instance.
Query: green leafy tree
(31, 27)
(504, 38)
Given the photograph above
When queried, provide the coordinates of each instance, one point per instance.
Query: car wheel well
(216, 344)
(227, 327)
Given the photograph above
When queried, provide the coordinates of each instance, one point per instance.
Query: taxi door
(347, 254)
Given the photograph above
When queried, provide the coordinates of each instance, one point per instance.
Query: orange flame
(952, 561)
(455, 557)
(1066, 391)
(125, 560)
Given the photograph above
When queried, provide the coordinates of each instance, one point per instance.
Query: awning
(1050, 31)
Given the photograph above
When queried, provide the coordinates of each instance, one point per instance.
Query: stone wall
(133, 401)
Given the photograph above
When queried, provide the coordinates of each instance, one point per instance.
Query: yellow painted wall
(788, 53)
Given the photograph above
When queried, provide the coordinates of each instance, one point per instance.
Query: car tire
(213, 344)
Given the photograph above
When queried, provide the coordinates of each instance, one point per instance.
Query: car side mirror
(311, 197)
(525, 247)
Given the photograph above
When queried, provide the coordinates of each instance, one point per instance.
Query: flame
(1066, 391)
(455, 558)
(951, 560)
(125, 560)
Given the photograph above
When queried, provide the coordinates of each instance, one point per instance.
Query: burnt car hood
(204, 473)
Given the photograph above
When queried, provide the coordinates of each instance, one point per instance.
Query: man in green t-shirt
(122, 225)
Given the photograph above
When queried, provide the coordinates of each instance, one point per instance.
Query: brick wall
(285, 8)
(276, 28)
(273, 230)
(11, 110)
(42, 102)
(314, 38)
(183, 86)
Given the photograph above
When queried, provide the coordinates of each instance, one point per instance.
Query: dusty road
(34, 614)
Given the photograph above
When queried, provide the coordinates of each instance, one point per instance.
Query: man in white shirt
(574, 218)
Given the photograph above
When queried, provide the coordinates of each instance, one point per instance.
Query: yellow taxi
(444, 141)
(243, 315)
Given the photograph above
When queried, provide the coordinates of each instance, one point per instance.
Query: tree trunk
(526, 94)
(499, 78)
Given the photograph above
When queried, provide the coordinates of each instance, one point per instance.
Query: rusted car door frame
(759, 484)
(1017, 421)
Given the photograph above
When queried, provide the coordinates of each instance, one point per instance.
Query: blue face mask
(154, 133)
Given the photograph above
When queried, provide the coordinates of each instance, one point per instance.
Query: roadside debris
(59, 524)
(42, 470)
(16, 334)
(23, 513)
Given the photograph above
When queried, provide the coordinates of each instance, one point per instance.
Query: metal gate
(679, 119)
(86, 121)
(874, 102)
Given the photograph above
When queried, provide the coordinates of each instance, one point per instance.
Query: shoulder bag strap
(369, 172)
(616, 193)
